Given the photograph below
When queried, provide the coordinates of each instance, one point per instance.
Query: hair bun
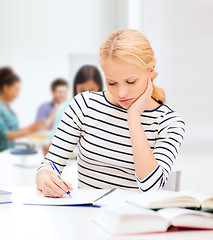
(5, 71)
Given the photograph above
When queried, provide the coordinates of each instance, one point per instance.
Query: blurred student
(47, 111)
(88, 78)
(9, 90)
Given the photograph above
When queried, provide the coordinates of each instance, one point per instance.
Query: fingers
(54, 187)
(58, 182)
(69, 186)
(150, 86)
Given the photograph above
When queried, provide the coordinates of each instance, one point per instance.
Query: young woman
(127, 137)
(9, 130)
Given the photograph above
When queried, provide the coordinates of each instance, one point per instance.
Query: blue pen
(55, 169)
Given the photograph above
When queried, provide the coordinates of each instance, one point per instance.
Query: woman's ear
(151, 71)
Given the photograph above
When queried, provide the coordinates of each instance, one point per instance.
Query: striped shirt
(105, 159)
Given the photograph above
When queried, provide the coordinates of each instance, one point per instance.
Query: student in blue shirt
(9, 130)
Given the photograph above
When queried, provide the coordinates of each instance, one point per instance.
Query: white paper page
(145, 199)
(171, 213)
(117, 197)
(79, 197)
(198, 195)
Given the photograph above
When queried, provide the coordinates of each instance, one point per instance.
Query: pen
(55, 169)
(107, 193)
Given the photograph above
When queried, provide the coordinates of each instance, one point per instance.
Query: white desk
(18, 221)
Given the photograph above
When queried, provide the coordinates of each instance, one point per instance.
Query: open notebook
(80, 197)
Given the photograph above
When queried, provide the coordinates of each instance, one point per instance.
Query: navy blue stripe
(169, 108)
(78, 129)
(58, 155)
(109, 157)
(104, 139)
(149, 124)
(110, 183)
(175, 140)
(107, 105)
(166, 149)
(170, 145)
(151, 130)
(163, 129)
(65, 140)
(68, 133)
(59, 164)
(162, 166)
(160, 183)
(111, 124)
(177, 134)
(79, 106)
(103, 112)
(111, 133)
(143, 181)
(96, 93)
(145, 190)
(156, 109)
(177, 127)
(167, 119)
(108, 174)
(165, 138)
(152, 139)
(158, 159)
(109, 149)
(107, 163)
(145, 116)
(64, 149)
(163, 155)
(75, 115)
(90, 185)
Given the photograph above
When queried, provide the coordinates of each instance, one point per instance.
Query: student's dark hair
(58, 82)
(86, 73)
(7, 77)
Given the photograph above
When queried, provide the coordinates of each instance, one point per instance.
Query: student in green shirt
(9, 128)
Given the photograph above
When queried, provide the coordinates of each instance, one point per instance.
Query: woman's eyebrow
(129, 78)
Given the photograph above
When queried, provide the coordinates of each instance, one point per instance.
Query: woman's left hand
(137, 107)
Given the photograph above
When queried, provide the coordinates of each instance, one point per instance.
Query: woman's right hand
(37, 126)
(54, 187)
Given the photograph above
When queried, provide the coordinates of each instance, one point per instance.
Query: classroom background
(43, 40)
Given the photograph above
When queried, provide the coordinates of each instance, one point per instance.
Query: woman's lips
(126, 100)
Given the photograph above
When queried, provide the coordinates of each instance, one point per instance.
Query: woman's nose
(122, 92)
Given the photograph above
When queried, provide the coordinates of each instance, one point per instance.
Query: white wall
(182, 34)
(37, 38)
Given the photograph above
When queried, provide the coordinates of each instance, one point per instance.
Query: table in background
(20, 170)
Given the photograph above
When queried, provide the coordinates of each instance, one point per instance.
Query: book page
(79, 197)
(163, 198)
(181, 217)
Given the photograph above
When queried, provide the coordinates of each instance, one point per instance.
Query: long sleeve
(170, 136)
(67, 134)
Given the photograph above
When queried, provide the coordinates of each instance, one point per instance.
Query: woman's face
(89, 85)
(11, 92)
(125, 83)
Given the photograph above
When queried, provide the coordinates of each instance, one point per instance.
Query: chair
(173, 183)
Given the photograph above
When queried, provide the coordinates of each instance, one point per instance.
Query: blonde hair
(131, 47)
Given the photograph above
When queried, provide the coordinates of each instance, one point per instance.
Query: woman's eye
(131, 82)
(111, 84)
